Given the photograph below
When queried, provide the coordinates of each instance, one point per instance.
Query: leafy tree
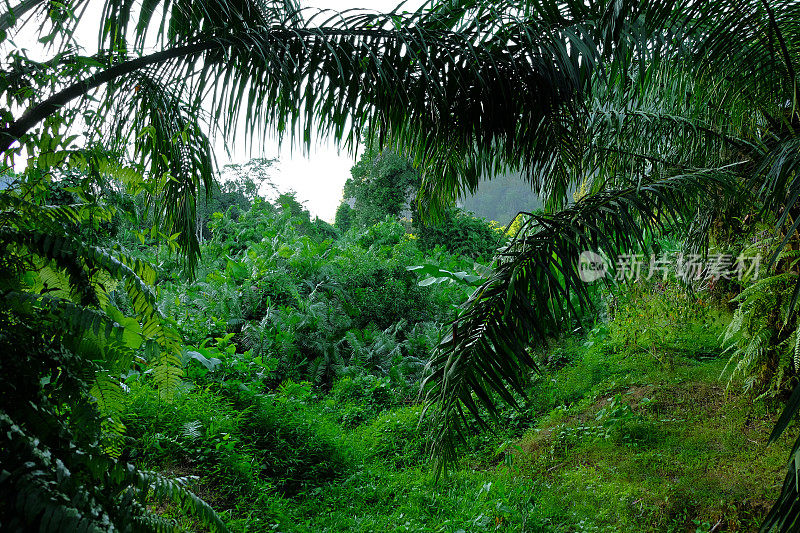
(242, 185)
(459, 233)
(317, 229)
(344, 217)
(249, 178)
(383, 184)
(287, 202)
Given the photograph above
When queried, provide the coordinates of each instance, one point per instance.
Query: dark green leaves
(535, 292)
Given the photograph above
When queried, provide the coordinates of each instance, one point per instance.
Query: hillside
(501, 198)
(611, 439)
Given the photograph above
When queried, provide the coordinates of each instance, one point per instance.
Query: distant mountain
(501, 198)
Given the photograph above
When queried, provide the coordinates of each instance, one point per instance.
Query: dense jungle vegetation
(184, 348)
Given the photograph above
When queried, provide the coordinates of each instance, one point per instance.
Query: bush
(273, 288)
(381, 291)
(398, 437)
(295, 451)
(386, 233)
(275, 439)
(462, 234)
(197, 431)
(367, 390)
(662, 318)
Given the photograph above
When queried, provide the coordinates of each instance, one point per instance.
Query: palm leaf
(536, 291)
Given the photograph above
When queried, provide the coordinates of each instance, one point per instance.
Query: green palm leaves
(536, 291)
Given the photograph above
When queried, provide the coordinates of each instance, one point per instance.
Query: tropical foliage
(631, 120)
(382, 184)
(66, 346)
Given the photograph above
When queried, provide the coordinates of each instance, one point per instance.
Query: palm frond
(175, 490)
(169, 140)
(536, 291)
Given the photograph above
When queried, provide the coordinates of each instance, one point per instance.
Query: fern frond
(78, 259)
(167, 365)
(75, 318)
(21, 212)
(175, 490)
(63, 251)
(42, 492)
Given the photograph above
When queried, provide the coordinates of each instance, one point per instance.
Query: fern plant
(65, 347)
(764, 334)
(56, 474)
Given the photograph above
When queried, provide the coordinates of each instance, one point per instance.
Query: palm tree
(662, 110)
(689, 109)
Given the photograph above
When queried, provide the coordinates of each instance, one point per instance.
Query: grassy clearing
(658, 450)
(613, 439)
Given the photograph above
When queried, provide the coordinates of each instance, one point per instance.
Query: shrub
(460, 233)
(353, 416)
(399, 437)
(386, 233)
(381, 291)
(197, 431)
(367, 390)
(295, 451)
(764, 335)
(663, 318)
(274, 288)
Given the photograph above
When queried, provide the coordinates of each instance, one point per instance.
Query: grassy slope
(615, 440)
(685, 454)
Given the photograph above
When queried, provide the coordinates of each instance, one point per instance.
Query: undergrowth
(623, 430)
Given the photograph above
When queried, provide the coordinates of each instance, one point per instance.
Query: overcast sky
(318, 178)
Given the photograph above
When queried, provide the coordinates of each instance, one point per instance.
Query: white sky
(318, 178)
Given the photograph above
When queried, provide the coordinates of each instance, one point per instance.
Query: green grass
(613, 438)
(688, 452)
